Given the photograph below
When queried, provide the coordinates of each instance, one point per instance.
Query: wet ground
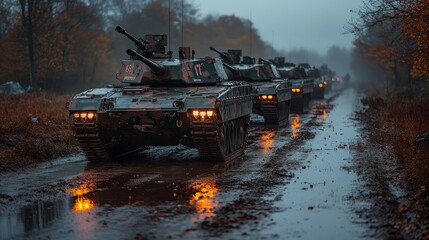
(295, 182)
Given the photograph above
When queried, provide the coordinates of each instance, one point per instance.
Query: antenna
(169, 25)
(182, 22)
(272, 46)
(251, 32)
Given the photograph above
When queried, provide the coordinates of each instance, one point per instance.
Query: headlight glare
(203, 114)
(195, 113)
(90, 116)
(84, 116)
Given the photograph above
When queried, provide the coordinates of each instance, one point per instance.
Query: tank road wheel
(223, 138)
(220, 142)
(234, 138)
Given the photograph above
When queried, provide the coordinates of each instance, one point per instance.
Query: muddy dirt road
(293, 183)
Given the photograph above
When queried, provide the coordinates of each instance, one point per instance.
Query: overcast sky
(290, 24)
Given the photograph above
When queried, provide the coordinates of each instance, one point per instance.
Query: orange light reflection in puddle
(82, 203)
(295, 124)
(320, 118)
(203, 198)
(267, 140)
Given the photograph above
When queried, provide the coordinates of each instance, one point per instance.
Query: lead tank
(163, 101)
(272, 93)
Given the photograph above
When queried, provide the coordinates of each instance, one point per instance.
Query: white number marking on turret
(129, 68)
(198, 71)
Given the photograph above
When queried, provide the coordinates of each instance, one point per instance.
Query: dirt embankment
(394, 164)
(33, 128)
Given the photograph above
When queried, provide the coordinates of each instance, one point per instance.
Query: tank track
(275, 113)
(89, 140)
(220, 142)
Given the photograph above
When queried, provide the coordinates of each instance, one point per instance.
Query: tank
(163, 101)
(272, 94)
(302, 84)
(319, 83)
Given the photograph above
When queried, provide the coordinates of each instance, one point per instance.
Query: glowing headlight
(91, 116)
(203, 115)
(325, 82)
(84, 116)
(296, 90)
(270, 97)
(264, 97)
(195, 113)
(320, 85)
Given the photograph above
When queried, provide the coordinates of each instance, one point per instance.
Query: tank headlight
(83, 115)
(264, 97)
(203, 115)
(296, 90)
(195, 113)
(91, 116)
(320, 85)
(325, 82)
(76, 115)
(270, 97)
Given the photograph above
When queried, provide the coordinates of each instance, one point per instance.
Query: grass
(399, 120)
(33, 128)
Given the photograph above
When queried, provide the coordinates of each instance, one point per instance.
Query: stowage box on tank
(164, 101)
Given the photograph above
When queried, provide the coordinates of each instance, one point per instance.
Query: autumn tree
(416, 27)
(65, 45)
(391, 33)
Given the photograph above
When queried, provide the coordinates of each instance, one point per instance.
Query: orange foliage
(417, 28)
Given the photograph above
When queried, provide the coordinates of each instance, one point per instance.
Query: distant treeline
(69, 45)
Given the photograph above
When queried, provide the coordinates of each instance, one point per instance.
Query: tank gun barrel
(263, 61)
(221, 54)
(138, 43)
(156, 68)
(231, 68)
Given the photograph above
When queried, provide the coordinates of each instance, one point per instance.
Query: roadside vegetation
(401, 121)
(390, 62)
(33, 128)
